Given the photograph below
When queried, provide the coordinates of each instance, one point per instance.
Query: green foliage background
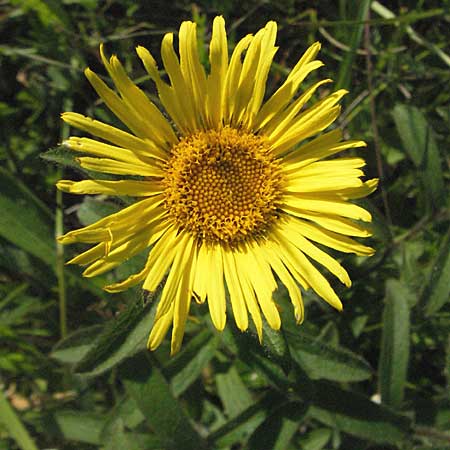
(74, 372)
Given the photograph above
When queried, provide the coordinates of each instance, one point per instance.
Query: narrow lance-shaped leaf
(24, 220)
(246, 422)
(74, 425)
(420, 144)
(187, 365)
(247, 347)
(356, 414)
(394, 344)
(320, 360)
(277, 431)
(437, 290)
(151, 392)
(233, 393)
(74, 348)
(121, 338)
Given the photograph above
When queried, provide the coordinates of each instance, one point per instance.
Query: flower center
(223, 186)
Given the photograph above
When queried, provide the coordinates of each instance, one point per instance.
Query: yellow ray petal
(326, 184)
(307, 129)
(287, 90)
(127, 141)
(106, 165)
(328, 205)
(161, 257)
(133, 214)
(202, 273)
(281, 122)
(308, 154)
(326, 168)
(248, 74)
(90, 255)
(218, 59)
(294, 125)
(332, 240)
(166, 93)
(183, 250)
(315, 146)
(157, 127)
(126, 250)
(232, 77)
(289, 262)
(247, 290)
(274, 257)
(216, 288)
(123, 187)
(193, 71)
(359, 192)
(267, 52)
(86, 236)
(166, 241)
(159, 329)
(264, 284)
(117, 105)
(234, 288)
(179, 84)
(291, 231)
(337, 224)
(93, 147)
(313, 277)
(182, 301)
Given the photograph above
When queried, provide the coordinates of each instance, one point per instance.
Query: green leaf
(437, 290)
(152, 394)
(276, 432)
(411, 127)
(14, 426)
(51, 13)
(121, 338)
(75, 347)
(187, 365)
(123, 417)
(24, 220)
(115, 434)
(256, 356)
(394, 355)
(115, 437)
(276, 345)
(93, 209)
(357, 415)
(76, 425)
(127, 410)
(320, 360)
(316, 439)
(62, 156)
(233, 393)
(244, 424)
(420, 144)
(65, 157)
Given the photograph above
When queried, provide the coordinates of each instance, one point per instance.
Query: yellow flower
(233, 191)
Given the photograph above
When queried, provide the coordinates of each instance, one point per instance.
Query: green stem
(60, 267)
(59, 230)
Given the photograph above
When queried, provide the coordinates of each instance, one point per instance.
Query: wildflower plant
(233, 189)
(221, 201)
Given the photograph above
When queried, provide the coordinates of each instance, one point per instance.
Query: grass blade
(14, 425)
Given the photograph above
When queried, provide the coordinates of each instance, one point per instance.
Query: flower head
(233, 191)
